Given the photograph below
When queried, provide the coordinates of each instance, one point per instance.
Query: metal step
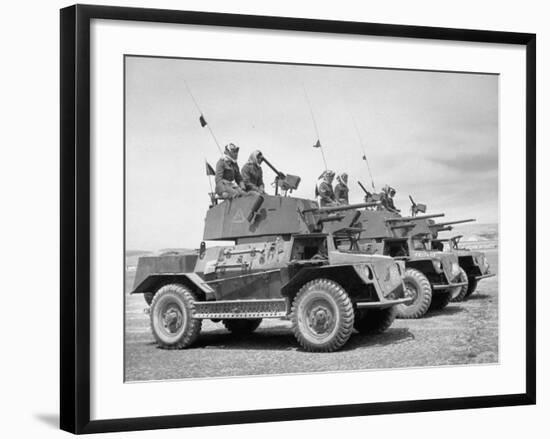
(241, 309)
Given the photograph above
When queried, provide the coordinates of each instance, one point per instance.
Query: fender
(192, 280)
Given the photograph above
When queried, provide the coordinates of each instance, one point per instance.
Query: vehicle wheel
(148, 298)
(441, 300)
(322, 316)
(418, 287)
(374, 321)
(472, 285)
(171, 321)
(241, 326)
(459, 297)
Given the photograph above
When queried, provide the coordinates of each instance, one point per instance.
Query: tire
(463, 277)
(472, 285)
(418, 286)
(148, 298)
(322, 316)
(241, 326)
(171, 321)
(441, 300)
(374, 321)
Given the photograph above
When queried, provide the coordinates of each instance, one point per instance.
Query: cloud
(481, 162)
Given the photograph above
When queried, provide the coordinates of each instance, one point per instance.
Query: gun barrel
(363, 187)
(413, 218)
(450, 223)
(330, 209)
(273, 168)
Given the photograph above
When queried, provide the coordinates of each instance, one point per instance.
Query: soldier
(387, 198)
(252, 173)
(341, 191)
(324, 190)
(229, 183)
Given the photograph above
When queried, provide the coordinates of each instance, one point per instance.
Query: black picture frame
(75, 217)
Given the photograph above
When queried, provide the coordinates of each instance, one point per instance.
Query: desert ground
(462, 333)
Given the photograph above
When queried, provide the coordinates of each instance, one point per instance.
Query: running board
(241, 309)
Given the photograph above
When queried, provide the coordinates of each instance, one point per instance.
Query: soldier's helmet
(343, 178)
(232, 150)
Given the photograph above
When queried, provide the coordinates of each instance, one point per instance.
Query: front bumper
(385, 304)
(485, 276)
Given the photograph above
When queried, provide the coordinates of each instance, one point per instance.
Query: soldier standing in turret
(229, 183)
(341, 191)
(324, 190)
(252, 173)
(387, 199)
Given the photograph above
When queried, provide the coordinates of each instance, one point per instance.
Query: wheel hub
(320, 319)
(411, 291)
(172, 319)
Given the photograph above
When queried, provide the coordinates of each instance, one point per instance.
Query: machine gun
(286, 182)
(416, 208)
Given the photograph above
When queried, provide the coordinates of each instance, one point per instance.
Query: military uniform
(228, 178)
(341, 193)
(252, 173)
(326, 194)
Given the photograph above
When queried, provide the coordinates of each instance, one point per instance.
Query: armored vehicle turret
(284, 262)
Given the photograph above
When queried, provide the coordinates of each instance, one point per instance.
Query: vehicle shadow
(478, 296)
(390, 337)
(283, 339)
(262, 339)
(449, 310)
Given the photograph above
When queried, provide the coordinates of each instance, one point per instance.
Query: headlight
(393, 274)
(438, 265)
(455, 268)
(364, 270)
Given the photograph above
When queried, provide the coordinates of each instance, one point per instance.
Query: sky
(432, 135)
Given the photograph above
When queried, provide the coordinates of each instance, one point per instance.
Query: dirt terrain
(462, 333)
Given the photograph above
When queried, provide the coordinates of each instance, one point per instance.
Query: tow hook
(147, 310)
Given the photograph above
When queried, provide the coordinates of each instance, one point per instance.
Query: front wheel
(322, 316)
(459, 297)
(171, 317)
(418, 288)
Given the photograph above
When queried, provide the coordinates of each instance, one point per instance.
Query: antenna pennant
(317, 144)
(209, 169)
(202, 120)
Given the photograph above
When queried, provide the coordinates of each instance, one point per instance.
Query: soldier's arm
(219, 171)
(245, 174)
(238, 177)
(325, 193)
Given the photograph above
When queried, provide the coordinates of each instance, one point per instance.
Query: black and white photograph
(297, 219)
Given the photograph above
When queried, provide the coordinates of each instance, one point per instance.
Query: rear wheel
(241, 326)
(322, 316)
(171, 317)
(463, 277)
(472, 285)
(418, 288)
(374, 321)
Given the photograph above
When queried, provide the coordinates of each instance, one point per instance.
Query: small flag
(209, 169)
(202, 120)
(364, 157)
(317, 145)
